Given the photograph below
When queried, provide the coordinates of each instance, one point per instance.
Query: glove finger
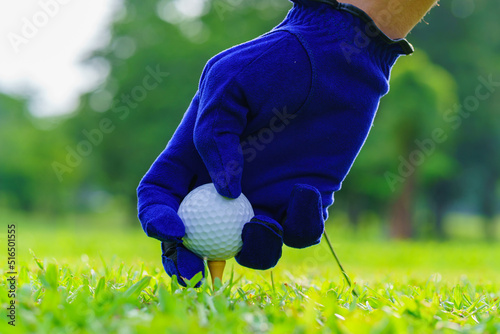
(262, 243)
(189, 264)
(304, 223)
(164, 224)
(221, 120)
(169, 260)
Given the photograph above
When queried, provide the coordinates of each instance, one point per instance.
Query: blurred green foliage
(94, 157)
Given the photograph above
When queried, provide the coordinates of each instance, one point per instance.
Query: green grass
(82, 278)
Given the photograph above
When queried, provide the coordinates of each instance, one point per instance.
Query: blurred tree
(463, 39)
(409, 148)
(27, 179)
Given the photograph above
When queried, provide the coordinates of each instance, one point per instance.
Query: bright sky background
(49, 63)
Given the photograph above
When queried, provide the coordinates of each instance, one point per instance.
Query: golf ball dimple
(214, 223)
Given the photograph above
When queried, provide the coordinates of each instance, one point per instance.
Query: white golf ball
(214, 223)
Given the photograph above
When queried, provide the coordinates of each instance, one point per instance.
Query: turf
(97, 279)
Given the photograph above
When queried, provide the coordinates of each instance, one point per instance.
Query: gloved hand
(163, 223)
(181, 262)
(280, 118)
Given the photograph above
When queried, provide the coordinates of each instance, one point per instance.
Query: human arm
(396, 18)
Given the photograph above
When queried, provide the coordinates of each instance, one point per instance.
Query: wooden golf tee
(216, 269)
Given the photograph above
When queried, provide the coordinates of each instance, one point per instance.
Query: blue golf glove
(280, 118)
